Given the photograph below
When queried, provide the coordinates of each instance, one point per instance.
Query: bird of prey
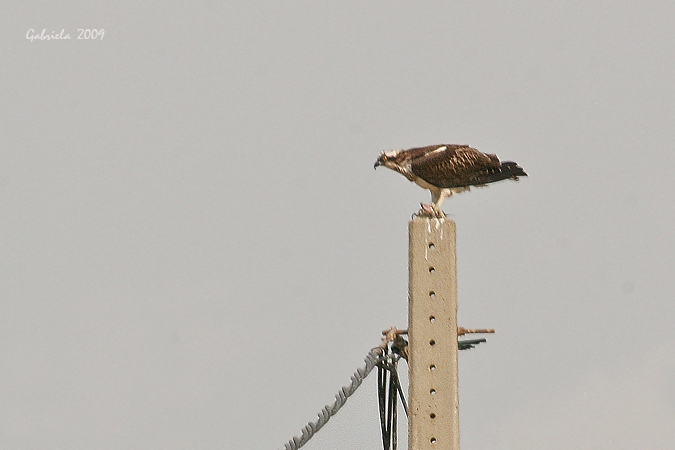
(448, 169)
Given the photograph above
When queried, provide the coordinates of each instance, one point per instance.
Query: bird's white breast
(420, 182)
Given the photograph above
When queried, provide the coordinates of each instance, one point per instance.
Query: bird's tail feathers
(507, 170)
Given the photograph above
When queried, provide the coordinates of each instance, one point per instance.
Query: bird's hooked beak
(379, 162)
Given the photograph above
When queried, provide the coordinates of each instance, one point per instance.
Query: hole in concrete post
(432, 342)
(432, 392)
(432, 294)
(432, 319)
(432, 367)
(432, 270)
(432, 440)
(431, 245)
(432, 415)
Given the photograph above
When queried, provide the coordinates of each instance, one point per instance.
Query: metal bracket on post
(432, 333)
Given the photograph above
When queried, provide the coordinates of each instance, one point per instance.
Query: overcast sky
(196, 252)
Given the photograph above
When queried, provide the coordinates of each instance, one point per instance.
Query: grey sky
(197, 253)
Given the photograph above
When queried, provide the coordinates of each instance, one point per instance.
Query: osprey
(448, 169)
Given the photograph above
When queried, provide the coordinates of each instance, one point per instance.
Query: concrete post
(433, 423)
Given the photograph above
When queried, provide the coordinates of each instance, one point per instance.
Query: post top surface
(432, 220)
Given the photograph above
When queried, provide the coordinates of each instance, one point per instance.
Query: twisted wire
(371, 360)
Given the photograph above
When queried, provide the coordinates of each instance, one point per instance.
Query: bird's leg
(437, 199)
(434, 210)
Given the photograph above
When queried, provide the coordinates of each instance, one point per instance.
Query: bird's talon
(430, 211)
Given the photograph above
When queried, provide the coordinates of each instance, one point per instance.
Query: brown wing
(457, 166)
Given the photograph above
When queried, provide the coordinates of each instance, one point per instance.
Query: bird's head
(386, 159)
